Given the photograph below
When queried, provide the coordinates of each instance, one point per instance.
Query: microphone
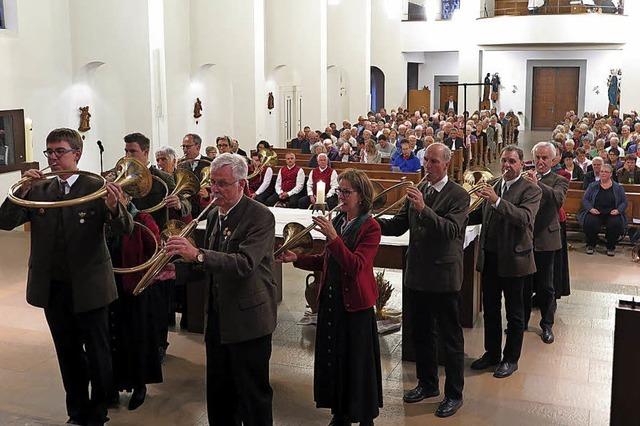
(99, 143)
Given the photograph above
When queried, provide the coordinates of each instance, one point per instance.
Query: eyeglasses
(222, 184)
(344, 192)
(57, 152)
(187, 146)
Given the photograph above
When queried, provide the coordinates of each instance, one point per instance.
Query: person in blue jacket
(407, 162)
(604, 204)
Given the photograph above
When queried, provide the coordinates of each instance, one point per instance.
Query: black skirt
(134, 341)
(347, 372)
(561, 278)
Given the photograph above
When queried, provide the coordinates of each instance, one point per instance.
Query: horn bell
(133, 177)
(303, 241)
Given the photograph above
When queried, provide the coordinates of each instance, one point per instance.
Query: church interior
(263, 70)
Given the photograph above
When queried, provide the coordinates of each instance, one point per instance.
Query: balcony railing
(492, 8)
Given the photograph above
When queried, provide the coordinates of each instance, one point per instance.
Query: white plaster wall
(116, 34)
(630, 88)
(180, 96)
(512, 67)
(349, 42)
(36, 70)
(296, 55)
(386, 39)
(227, 59)
(6, 180)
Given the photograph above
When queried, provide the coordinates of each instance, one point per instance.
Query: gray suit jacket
(515, 217)
(87, 256)
(546, 233)
(436, 239)
(242, 271)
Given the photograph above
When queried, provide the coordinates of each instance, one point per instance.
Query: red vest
(288, 178)
(322, 176)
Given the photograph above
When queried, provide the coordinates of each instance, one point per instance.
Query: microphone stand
(101, 152)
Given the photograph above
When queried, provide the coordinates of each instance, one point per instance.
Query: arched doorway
(377, 89)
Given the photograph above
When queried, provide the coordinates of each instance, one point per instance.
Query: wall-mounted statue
(270, 102)
(486, 89)
(197, 109)
(495, 88)
(613, 83)
(85, 116)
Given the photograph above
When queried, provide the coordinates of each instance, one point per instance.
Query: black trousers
(291, 202)
(433, 314)
(613, 229)
(238, 389)
(305, 202)
(82, 345)
(493, 286)
(543, 284)
(161, 301)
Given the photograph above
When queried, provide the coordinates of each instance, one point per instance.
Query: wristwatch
(200, 257)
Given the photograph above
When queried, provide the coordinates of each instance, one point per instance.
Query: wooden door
(555, 91)
(445, 92)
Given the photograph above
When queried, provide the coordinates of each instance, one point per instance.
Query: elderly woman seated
(604, 204)
(568, 163)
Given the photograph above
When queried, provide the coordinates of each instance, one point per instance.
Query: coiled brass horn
(267, 158)
(161, 259)
(146, 264)
(205, 177)
(403, 184)
(186, 184)
(132, 176)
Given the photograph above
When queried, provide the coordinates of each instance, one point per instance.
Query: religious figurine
(84, 119)
(614, 88)
(197, 109)
(485, 92)
(495, 88)
(270, 102)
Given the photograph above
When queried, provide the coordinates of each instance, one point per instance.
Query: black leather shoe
(448, 407)
(547, 336)
(75, 421)
(505, 369)
(419, 393)
(137, 397)
(484, 362)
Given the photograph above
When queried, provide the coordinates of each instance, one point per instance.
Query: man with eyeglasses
(70, 272)
(191, 144)
(241, 297)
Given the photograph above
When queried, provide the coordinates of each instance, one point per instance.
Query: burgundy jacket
(359, 289)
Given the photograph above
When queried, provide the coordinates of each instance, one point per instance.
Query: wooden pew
(456, 166)
(573, 204)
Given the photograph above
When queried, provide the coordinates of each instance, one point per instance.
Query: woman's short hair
(608, 167)
(238, 164)
(360, 182)
(210, 148)
(168, 151)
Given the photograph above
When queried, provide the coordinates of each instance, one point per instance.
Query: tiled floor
(565, 383)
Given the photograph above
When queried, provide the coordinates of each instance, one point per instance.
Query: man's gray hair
(446, 152)
(238, 164)
(544, 144)
(322, 154)
(598, 159)
(168, 151)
